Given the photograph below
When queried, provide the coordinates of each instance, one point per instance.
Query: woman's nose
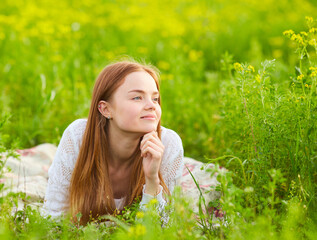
(150, 104)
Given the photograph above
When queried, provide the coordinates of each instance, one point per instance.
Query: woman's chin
(147, 129)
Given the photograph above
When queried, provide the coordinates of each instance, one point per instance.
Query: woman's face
(134, 106)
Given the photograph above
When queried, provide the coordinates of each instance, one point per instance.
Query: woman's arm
(171, 167)
(56, 197)
(173, 158)
(152, 150)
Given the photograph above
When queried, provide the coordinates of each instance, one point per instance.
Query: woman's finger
(148, 135)
(155, 154)
(153, 138)
(155, 146)
(156, 142)
(152, 145)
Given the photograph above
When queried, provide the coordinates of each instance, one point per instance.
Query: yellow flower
(153, 201)
(251, 68)
(306, 85)
(237, 66)
(304, 34)
(137, 230)
(140, 214)
(293, 37)
(309, 19)
(258, 78)
(313, 74)
(312, 30)
(163, 65)
(300, 77)
(312, 42)
(140, 230)
(299, 40)
(288, 33)
(194, 55)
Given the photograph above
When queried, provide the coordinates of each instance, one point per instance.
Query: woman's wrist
(152, 186)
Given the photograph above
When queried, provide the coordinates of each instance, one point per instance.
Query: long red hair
(90, 191)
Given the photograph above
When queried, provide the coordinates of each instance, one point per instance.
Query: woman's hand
(152, 150)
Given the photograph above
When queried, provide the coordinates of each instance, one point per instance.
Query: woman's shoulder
(77, 125)
(76, 129)
(169, 135)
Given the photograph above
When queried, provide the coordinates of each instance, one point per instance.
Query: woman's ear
(105, 109)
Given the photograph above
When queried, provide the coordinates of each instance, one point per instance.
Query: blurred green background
(52, 51)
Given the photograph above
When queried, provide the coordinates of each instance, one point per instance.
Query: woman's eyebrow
(141, 91)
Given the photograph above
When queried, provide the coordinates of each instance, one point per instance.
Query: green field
(236, 84)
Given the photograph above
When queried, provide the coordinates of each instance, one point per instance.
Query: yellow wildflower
(251, 68)
(140, 214)
(237, 66)
(313, 74)
(288, 33)
(138, 230)
(293, 37)
(300, 77)
(299, 39)
(306, 85)
(312, 42)
(258, 78)
(304, 34)
(194, 55)
(309, 19)
(153, 201)
(163, 65)
(312, 68)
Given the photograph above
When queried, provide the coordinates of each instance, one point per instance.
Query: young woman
(121, 154)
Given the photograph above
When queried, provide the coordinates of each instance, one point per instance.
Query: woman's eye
(136, 98)
(156, 99)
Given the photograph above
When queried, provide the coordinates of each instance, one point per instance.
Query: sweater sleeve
(146, 198)
(171, 170)
(60, 172)
(173, 158)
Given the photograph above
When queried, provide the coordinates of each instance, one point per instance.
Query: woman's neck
(122, 146)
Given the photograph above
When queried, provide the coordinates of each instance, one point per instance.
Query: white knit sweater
(56, 197)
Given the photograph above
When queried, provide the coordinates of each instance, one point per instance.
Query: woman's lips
(149, 117)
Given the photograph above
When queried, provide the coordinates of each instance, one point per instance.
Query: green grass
(260, 125)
